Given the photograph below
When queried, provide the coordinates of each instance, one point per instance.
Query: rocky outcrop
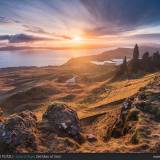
(18, 130)
(148, 99)
(62, 120)
(122, 124)
(144, 104)
(138, 66)
(22, 133)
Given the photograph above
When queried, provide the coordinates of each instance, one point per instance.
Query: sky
(61, 24)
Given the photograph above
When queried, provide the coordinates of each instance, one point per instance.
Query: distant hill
(108, 55)
(111, 54)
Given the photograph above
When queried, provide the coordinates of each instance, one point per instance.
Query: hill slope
(106, 126)
(118, 53)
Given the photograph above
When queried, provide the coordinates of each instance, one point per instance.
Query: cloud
(98, 31)
(123, 15)
(62, 19)
(153, 36)
(39, 30)
(19, 38)
(4, 37)
(3, 20)
(34, 29)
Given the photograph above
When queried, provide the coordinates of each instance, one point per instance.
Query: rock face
(136, 111)
(18, 130)
(63, 120)
(122, 126)
(149, 103)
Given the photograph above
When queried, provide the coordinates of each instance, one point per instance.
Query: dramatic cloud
(19, 38)
(124, 15)
(38, 30)
(112, 16)
(147, 37)
(3, 20)
(35, 29)
(64, 19)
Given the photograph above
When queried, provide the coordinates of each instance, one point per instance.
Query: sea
(40, 58)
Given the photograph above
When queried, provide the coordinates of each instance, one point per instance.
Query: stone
(127, 104)
(133, 114)
(121, 125)
(91, 138)
(142, 96)
(156, 147)
(63, 120)
(18, 130)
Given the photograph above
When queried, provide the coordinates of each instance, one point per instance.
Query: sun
(77, 39)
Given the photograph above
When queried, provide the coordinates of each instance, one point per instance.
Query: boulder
(63, 120)
(127, 104)
(142, 95)
(156, 148)
(133, 114)
(18, 130)
(143, 105)
(91, 138)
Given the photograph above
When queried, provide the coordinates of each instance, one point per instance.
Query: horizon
(78, 24)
